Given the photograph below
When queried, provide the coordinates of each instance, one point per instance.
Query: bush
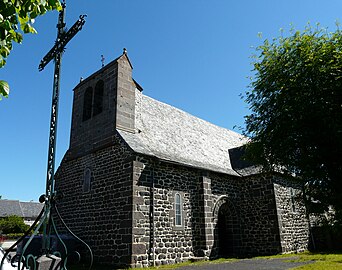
(12, 224)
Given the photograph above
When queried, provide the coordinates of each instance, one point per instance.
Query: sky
(192, 54)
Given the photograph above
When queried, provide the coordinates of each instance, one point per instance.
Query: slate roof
(171, 134)
(21, 209)
(31, 209)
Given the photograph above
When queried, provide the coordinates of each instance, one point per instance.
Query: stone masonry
(102, 216)
(119, 221)
(139, 205)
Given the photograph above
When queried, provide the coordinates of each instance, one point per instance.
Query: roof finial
(102, 60)
(124, 51)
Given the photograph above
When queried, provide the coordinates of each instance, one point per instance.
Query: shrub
(12, 224)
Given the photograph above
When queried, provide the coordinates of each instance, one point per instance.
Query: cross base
(48, 262)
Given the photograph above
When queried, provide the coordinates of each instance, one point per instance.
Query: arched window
(98, 98)
(178, 210)
(87, 103)
(87, 180)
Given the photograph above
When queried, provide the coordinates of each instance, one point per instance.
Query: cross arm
(61, 42)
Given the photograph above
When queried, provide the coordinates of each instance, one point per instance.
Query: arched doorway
(227, 230)
(225, 224)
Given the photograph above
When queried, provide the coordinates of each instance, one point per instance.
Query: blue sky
(192, 54)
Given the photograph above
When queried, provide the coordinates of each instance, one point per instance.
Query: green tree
(12, 224)
(296, 103)
(16, 19)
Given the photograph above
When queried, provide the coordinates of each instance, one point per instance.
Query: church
(145, 183)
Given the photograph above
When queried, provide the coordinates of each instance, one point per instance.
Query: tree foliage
(296, 103)
(12, 224)
(16, 19)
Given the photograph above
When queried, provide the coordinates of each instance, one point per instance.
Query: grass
(320, 261)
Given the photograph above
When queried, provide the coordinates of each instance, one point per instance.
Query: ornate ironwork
(46, 219)
(62, 41)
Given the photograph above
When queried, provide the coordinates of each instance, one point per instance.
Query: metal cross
(55, 53)
(46, 219)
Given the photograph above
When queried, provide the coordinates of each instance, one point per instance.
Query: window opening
(87, 103)
(98, 98)
(178, 210)
(87, 180)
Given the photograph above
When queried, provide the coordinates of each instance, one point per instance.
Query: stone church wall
(102, 215)
(171, 243)
(252, 201)
(293, 223)
(128, 215)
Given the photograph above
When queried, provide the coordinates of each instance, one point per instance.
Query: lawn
(321, 261)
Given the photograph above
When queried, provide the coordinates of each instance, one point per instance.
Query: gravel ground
(249, 264)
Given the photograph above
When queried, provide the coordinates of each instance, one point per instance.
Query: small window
(98, 98)
(178, 210)
(87, 103)
(87, 180)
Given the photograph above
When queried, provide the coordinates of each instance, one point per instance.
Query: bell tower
(103, 102)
